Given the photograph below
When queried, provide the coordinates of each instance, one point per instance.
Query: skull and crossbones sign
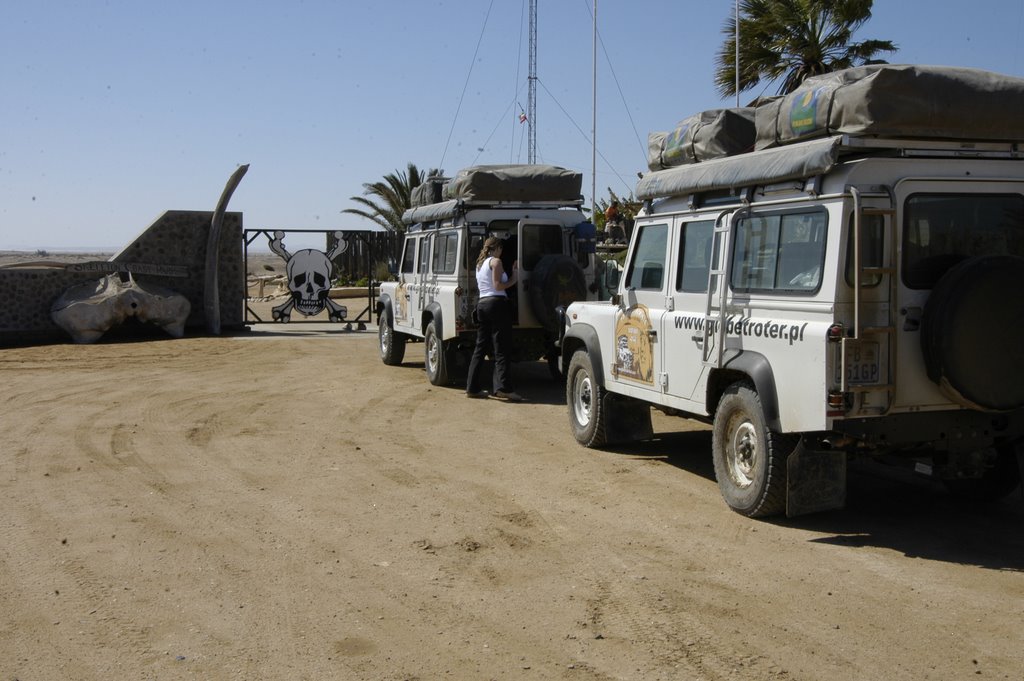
(310, 273)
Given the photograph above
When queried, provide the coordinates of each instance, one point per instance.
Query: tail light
(836, 403)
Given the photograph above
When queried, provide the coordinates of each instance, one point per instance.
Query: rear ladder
(884, 334)
(713, 347)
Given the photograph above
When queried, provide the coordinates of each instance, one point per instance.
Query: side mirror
(611, 277)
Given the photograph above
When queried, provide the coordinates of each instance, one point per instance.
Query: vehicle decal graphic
(401, 309)
(803, 116)
(634, 349)
(674, 145)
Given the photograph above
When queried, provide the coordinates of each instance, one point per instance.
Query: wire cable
(585, 136)
(465, 86)
(501, 119)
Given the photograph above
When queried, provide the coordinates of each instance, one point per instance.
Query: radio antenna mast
(531, 106)
(593, 114)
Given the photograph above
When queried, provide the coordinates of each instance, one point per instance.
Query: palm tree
(390, 197)
(789, 40)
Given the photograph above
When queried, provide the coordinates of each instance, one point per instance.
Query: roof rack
(932, 147)
(801, 160)
(448, 209)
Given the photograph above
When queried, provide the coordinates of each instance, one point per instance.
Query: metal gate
(308, 291)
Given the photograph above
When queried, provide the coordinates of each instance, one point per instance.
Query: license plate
(862, 364)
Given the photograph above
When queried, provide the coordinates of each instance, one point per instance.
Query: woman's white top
(485, 280)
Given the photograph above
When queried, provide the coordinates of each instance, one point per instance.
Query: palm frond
(787, 41)
(385, 200)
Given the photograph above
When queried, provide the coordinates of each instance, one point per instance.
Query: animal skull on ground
(88, 310)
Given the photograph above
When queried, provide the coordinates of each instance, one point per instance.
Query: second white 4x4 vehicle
(852, 287)
(536, 209)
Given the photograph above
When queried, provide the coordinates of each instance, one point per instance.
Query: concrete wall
(177, 238)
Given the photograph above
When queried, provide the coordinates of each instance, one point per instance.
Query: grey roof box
(514, 183)
(498, 184)
(428, 192)
(897, 101)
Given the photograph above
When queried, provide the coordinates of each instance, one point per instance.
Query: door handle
(913, 318)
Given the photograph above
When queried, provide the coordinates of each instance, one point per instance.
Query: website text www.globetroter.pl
(745, 326)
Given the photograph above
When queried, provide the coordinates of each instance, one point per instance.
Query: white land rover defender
(854, 286)
(536, 209)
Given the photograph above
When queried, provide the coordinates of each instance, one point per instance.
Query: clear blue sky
(113, 111)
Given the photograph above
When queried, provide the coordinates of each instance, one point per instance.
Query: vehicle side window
(409, 257)
(647, 269)
(538, 241)
(872, 249)
(421, 267)
(695, 256)
(475, 244)
(779, 252)
(445, 253)
(940, 230)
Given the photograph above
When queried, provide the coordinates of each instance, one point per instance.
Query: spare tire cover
(555, 282)
(971, 333)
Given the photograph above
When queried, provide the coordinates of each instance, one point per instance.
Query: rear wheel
(437, 357)
(994, 484)
(584, 397)
(556, 281)
(750, 459)
(969, 349)
(391, 344)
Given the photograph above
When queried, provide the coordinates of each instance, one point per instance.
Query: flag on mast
(522, 115)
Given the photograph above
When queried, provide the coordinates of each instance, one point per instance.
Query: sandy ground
(281, 505)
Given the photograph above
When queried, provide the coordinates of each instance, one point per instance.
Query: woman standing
(494, 314)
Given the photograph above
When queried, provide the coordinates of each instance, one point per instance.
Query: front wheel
(584, 397)
(436, 356)
(391, 344)
(750, 459)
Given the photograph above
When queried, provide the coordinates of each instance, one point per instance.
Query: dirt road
(281, 505)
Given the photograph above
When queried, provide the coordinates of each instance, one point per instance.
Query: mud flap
(626, 419)
(815, 481)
